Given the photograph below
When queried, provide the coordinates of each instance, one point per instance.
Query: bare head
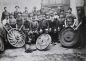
(26, 8)
(17, 8)
(5, 8)
(69, 10)
(6, 15)
(11, 15)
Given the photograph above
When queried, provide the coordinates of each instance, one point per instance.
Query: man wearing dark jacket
(16, 12)
(4, 13)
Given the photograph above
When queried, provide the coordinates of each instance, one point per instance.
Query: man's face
(26, 9)
(5, 9)
(62, 12)
(34, 8)
(69, 11)
(59, 7)
(17, 8)
(11, 16)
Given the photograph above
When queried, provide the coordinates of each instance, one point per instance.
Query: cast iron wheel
(43, 41)
(16, 38)
(68, 37)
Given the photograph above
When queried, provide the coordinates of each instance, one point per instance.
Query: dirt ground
(55, 53)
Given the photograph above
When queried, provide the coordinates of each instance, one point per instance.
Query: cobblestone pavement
(55, 53)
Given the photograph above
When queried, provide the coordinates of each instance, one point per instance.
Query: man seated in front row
(12, 20)
(70, 19)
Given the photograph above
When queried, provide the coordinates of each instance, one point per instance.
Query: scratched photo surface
(42, 30)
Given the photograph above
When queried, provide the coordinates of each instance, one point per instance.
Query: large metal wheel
(43, 41)
(16, 38)
(68, 37)
(1, 45)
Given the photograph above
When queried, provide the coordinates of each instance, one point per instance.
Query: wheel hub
(68, 36)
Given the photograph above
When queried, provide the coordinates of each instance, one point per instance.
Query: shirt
(70, 19)
(25, 14)
(16, 14)
(4, 14)
(5, 21)
(12, 21)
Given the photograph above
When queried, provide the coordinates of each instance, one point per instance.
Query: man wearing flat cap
(16, 11)
(4, 13)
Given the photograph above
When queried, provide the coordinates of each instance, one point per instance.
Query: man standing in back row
(25, 14)
(16, 12)
(4, 13)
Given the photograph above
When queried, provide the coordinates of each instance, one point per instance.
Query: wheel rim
(43, 41)
(68, 37)
(16, 38)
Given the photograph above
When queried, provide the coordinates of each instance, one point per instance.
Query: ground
(55, 53)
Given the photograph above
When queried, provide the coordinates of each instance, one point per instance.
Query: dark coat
(4, 13)
(16, 14)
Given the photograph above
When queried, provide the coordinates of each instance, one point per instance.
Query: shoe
(28, 51)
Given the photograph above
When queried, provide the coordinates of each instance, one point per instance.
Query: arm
(2, 17)
(65, 23)
(74, 18)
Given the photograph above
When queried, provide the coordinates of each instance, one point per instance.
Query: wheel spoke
(16, 38)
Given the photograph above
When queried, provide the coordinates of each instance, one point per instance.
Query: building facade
(65, 3)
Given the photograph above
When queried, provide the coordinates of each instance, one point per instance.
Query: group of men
(37, 21)
(63, 17)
